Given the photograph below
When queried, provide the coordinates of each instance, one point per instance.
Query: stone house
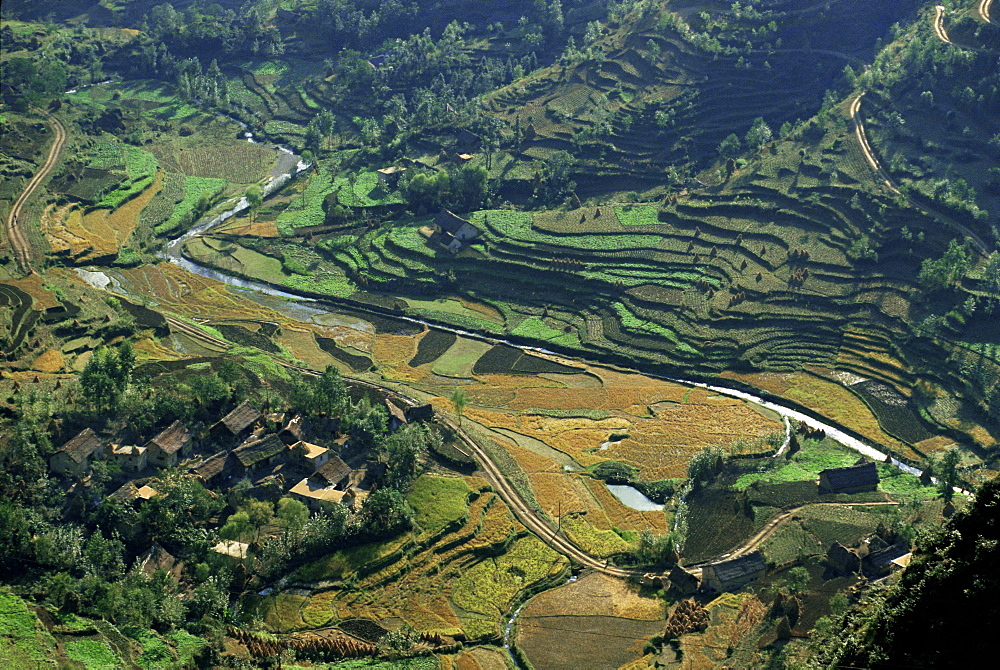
(312, 456)
(130, 458)
(74, 457)
(453, 232)
(172, 444)
(732, 573)
(237, 425)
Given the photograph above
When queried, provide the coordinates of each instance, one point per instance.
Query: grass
(599, 543)
(344, 562)
(23, 643)
(195, 188)
(439, 502)
(156, 653)
(638, 215)
(94, 654)
(460, 358)
(489, 588)
(804, 465)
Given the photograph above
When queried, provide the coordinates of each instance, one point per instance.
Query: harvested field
(558, 628)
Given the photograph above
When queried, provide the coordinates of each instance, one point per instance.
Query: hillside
(569, 289)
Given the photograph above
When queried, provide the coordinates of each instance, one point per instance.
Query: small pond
(632, 497)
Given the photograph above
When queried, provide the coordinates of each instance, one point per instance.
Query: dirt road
(772, 526)
(15, 228)
(862, 137)
(939, 25)
(984, 10)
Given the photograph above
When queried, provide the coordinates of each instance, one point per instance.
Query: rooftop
(241, 417)
(172, 438)
(312, 487)
(450, 222)
(308, 450)
(232, 548)
(254, 452)
(211, 466)
(736, 568)
(861, 474)
(333, 471)
(82, 446)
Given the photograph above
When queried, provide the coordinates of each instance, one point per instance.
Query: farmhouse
(294, 431)
(314, 492)
(131, 458)
(256, 455)
(453, 232)
(237, 424)
(73, 458)
(843, 560)
(212, 469)
(733, 573)
(334, 472)
(880, 563)
(397, 418)
(310, 455)
(389, 176)
(170, 445)
(862, 476)
(683, 581)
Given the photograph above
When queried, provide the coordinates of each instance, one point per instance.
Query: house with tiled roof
(857, 478)
(237, 424)
(170, 446)
(732, 573)
(74, 457)
(258, 454)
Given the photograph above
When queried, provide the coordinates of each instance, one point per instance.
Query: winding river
(174, 253)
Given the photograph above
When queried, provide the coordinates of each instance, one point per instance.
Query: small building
(857, 478)
(74, 457)
(314, 492)
(880, 563)
(259, 454)
(454, 231)
(424, 412)
(295, 430)
(389, 176)
(312, 456)
(683, 581)
(732, 573)
(172, 444)
(845, 561)
(236, 425)
(157, 558)
(397, 417)
(212, 470)
(131, 458)
(334, 473)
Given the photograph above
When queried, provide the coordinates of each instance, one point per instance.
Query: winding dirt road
(15, 232)
(984, 10)
(862, 137)
(939, 25)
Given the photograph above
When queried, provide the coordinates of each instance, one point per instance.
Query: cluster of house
(284, 458)
(873, 558)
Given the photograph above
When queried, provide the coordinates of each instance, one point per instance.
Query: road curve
(15, 232)
(984, 10)
(939, 25)
(862, 137)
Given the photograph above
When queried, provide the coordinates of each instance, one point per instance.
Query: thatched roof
(735, 569)
(333, 471)
(852, 476)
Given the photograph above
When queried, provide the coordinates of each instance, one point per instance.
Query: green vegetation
(438, 502)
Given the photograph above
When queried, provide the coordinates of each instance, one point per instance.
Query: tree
(758, 135)
(254, 200)
(948, 270)
(948, 472)
(458, 402)
(730, 147)
(107, 375)
(386, 512)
